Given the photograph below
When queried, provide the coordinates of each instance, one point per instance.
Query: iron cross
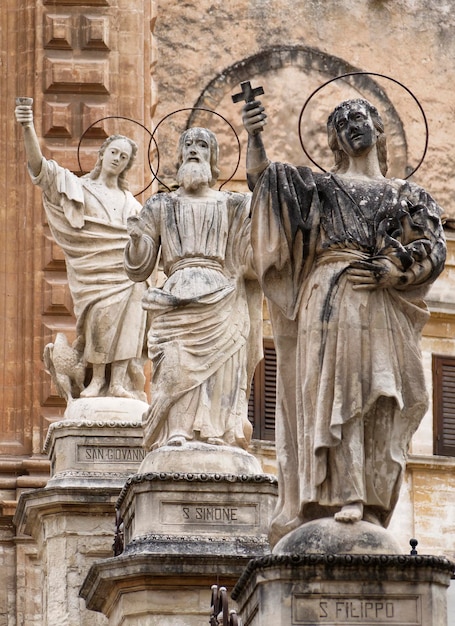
(248, 93)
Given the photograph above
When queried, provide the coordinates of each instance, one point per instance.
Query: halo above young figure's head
(348, 74)
(120, 117)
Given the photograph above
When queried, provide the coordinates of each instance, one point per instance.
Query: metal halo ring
(128, 119)
(369, 74)
(194, 109)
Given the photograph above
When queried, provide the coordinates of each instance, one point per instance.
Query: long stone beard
(192, 175)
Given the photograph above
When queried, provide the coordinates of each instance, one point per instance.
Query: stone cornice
(155, 543)
(341, 566)
(109, 577)
(193, 477)
(58, 499)
(83, 424)
(152, 537)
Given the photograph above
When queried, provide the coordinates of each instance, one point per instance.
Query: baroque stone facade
(83, 60)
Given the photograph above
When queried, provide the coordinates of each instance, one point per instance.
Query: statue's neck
(364, 167)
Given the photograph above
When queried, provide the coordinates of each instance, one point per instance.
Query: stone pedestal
(193, 516)
(72, 519)
(344, 589)
(102, 450)
(334, 573)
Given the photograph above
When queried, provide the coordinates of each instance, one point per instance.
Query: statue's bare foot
(118, 391)
(350, 513)
(176, 440)
(94, 389)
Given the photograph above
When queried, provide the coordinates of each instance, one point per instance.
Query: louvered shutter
(444, 405)
(269, 393)
(252, 402)
(262, 402)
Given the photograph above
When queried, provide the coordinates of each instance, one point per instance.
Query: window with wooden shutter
(262, 403)
(444, 405)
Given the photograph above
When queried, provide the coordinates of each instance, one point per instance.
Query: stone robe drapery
(110, 318)
(350, 389)
(205, 321)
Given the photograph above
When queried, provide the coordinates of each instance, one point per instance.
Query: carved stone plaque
(109, 454)
(402, 610)
(208, 514)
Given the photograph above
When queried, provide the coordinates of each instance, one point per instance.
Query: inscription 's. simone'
(210, 514)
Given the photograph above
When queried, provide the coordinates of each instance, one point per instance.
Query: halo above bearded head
(200, 128)
(213, 146)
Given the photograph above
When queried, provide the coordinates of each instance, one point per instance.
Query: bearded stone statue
(205, 320)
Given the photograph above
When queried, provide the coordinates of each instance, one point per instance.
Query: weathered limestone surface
(198, 495)
(345, 281)
(380, 36)
(208, 511)
(348, 36)
(147, 590)
(87, 217)
(66, 526)
(93, 453)
(344, 589)
(205, 319)
(72, 527)
(291, 50)
(182, 531)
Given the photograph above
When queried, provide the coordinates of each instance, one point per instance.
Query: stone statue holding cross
(344, 259)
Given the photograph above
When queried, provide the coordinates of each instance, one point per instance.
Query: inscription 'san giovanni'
(107, 454)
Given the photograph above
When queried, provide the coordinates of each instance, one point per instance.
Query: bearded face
(193, 174)
(195, 152)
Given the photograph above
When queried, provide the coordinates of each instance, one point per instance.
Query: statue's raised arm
(344, 258)
(24, 115)
(254, 119)
(88, 219)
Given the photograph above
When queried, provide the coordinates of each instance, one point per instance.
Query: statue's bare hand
(24, 114)
(135, 226)
(378, 273)
(254, 118)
